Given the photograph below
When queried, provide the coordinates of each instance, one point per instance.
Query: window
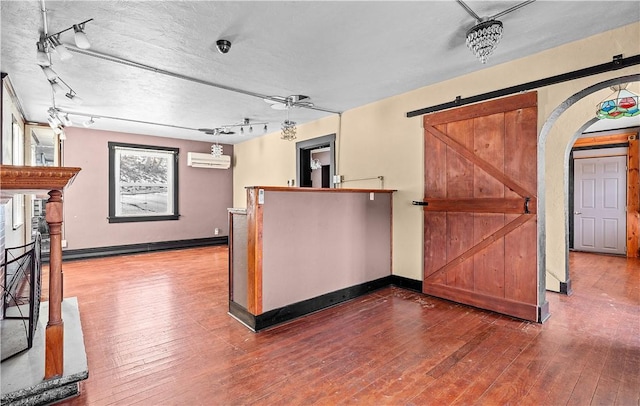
(143, 183)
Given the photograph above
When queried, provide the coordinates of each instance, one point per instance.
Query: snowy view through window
(144, 185)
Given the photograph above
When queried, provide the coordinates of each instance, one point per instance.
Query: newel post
(54, 359)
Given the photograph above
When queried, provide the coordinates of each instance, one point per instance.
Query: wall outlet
(64, 243)
(216, 231)
(337, 179)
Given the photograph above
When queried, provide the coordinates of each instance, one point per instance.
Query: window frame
(114, 176)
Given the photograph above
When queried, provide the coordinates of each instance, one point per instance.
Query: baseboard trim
(99, 252)
(305, 307)
(406, 283)
(565, 287)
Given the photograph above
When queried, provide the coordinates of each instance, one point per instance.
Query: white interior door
(600, 204)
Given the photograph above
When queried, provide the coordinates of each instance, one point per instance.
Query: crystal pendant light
(483, 38)
(216, 150)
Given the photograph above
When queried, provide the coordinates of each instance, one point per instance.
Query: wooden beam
(602, 140)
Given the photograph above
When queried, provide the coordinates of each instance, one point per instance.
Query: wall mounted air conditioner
(199, 160)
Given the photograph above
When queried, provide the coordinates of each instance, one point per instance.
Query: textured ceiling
(341, 54)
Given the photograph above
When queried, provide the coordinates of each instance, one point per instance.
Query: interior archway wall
(558, 133)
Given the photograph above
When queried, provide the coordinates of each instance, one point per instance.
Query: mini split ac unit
(198, 160)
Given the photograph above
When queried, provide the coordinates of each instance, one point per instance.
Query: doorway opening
(598, 198)
(315, 162)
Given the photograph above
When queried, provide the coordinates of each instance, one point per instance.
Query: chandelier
(216, 150)
(288, 130)
(483, 38)
(622, 103)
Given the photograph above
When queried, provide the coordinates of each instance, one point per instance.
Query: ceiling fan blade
(279, 106)
(275, 99)
(303, 104)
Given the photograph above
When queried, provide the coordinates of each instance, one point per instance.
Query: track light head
(42, 55)
(80, 37)
(71, 95)
(59, 47)
(89, 122)
(57, 87)
(49, 73)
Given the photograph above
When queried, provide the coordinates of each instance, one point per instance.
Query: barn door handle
(526, 205)
(418, 203)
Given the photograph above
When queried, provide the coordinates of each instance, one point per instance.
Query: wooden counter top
(319, 190)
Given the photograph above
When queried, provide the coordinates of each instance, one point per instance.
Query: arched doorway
(553, 158)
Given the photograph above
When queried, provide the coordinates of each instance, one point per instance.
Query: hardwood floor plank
(157, 332)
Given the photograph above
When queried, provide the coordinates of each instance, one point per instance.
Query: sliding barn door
(480, 205)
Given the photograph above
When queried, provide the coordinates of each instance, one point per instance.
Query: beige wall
(378, 140)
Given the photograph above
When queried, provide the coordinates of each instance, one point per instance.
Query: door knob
(577, 212)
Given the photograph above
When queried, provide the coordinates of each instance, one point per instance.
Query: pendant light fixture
(216, 150)
(622, 103)
(483, 38)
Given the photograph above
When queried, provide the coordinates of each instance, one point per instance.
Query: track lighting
(66, 121)
(229, 128)
(57, 87)
(80, 37)
(89, 122)
(49, 73)
(59, 47)
(71, 95)
(42, 56)
(53, 42)
(265, 129)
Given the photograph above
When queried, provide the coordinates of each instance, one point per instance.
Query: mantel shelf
(34, 179)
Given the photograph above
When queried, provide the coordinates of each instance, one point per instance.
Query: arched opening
(553, 154)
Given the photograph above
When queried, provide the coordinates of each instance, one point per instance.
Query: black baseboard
(99, 252)
(406, 283)
(565, 287)
(295, 310)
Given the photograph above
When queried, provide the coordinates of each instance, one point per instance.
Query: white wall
(378, 140)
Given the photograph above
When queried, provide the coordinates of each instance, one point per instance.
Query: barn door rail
(617, 62)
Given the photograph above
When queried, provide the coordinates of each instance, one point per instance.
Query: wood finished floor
(157, 333)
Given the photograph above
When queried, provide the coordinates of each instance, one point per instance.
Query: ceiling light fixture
(216, 150)
(52, 41)
(622, 103)
(483, 38)
(59, 47)
(289, 129)
(57, 87)
(49, 73)
(71, 95)
(42, 55)
(88, 123)
(80, 37)
(228, 128)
